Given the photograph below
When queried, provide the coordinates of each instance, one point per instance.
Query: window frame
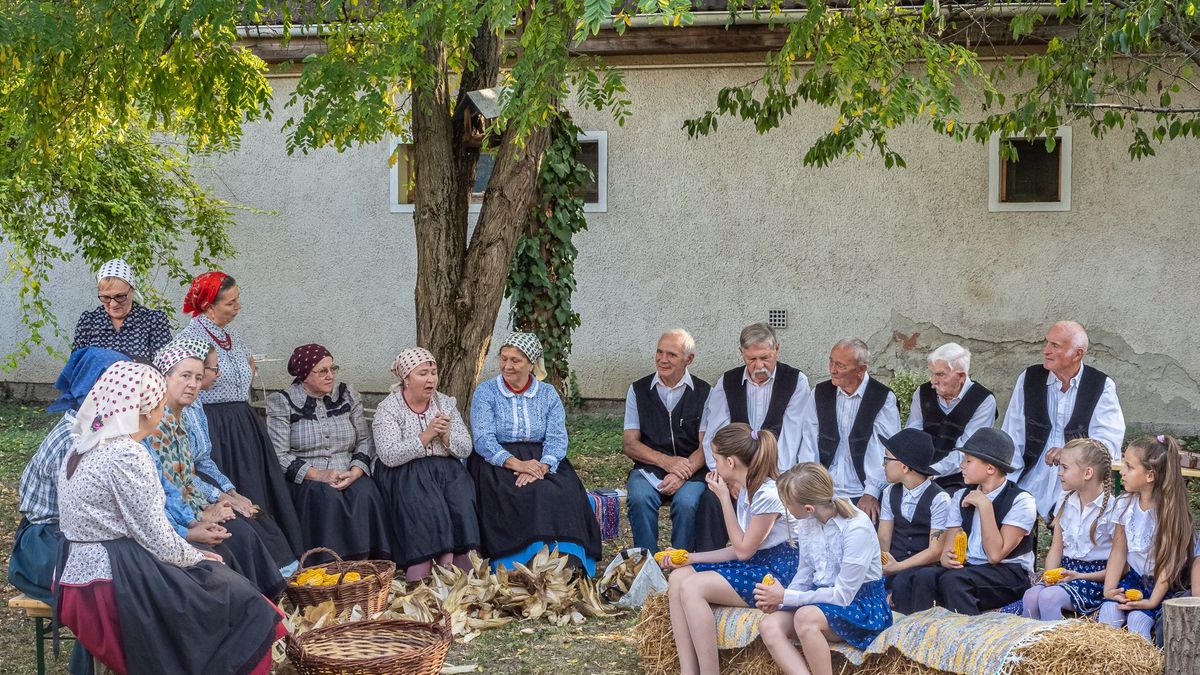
(598, 206)
(996, 169)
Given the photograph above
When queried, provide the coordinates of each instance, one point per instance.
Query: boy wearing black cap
(914, 509)
(998, 518)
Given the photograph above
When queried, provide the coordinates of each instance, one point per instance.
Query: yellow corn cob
(768, 580)
(883, 558)
(678, 556)
(960, 547)
(1053, 576)
(1133, 595)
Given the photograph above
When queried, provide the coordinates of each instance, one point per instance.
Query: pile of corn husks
(475, 600)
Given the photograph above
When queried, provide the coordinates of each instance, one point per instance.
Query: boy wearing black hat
(914, 509)
(998, 519)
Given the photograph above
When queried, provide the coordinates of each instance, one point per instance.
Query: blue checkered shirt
(39, 481)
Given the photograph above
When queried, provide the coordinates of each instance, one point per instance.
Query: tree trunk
(1181, 625)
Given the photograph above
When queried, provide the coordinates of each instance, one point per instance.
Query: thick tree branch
(1137, 108)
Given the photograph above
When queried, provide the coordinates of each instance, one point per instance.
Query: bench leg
(39, 628)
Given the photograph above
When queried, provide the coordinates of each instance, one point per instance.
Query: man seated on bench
(662, 436)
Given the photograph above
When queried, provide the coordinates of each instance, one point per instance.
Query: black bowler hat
(992, 446)
(914, 448)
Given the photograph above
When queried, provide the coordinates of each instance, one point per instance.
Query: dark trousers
(710, 524)
(971, 590)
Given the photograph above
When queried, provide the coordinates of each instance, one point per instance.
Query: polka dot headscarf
(304, 359)
(409, 360)
(531, 347)
(116, 269)
(178, 350)
(124, 393)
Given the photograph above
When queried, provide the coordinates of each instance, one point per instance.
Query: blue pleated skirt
(866, 616)
(780, 561)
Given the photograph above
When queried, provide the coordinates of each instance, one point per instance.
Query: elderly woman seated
(324, 447)
(119, 323)
(529, 494)
(421, 441)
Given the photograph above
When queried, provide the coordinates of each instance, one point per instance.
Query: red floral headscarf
(203, 292)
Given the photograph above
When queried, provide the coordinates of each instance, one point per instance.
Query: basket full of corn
(346, 582)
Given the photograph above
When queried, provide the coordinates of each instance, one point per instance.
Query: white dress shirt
(1023, 514)
(1076, 522)
(985, 416)
(836, 559)
(767, 502)
(668, 395)
(1139, 529)
(845, 477)
(1107, 426)
(939, 508)
(758, 399)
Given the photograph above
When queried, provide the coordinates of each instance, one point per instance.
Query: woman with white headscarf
(529, 494)
(135, 593)
(120, 323)
(421, 442)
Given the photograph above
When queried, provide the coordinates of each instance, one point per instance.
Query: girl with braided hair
(1152, 539)
(1083, 531)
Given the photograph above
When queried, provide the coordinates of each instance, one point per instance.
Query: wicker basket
(370, 592)
(381, 647)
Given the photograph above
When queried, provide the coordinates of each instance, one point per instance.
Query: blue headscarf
(79, 375)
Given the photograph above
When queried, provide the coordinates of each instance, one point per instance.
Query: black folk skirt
(246, 553)
(351, 522)
(243, 452)
(189, 620)
(431, 503)
(554, 508)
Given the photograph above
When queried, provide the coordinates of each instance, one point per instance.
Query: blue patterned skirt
(1085, 595)
(780, 561)
(1146, 585)
(866, 616)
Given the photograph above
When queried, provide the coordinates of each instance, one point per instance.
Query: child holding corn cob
(912, 520)
(837, 593)
(993, 568)
(1083, 529)
(1152, 538)
(762, 541)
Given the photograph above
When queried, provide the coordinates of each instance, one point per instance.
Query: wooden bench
(40, 612)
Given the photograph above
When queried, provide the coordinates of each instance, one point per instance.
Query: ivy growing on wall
(541, 276)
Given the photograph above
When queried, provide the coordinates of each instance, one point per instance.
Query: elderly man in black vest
(662, 436)
(845, 418)
(764, 393)
(950, 407)
(1057, 401)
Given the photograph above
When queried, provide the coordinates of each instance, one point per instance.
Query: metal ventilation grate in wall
(777, 318)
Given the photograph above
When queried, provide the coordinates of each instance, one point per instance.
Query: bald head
(1066, 344)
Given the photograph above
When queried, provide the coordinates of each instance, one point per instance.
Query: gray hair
(689, 342)
(862, 353)
(1079, 337)
(758, 334)
(955, 355)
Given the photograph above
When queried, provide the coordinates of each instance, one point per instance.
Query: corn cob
(960, 547)
(1053, 576)
(883, 558)
(768, 580)
(678, 556)
(1133, 595)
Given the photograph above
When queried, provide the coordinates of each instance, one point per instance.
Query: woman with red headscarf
(240, 445)
(324, 447)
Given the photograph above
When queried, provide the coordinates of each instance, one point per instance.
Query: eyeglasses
(331, 370)
(113, 299)
(215, 369)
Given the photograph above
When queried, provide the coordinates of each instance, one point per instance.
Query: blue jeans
(644, 502)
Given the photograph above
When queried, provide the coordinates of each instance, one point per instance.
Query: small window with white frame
(1038, 179)
(593, 152)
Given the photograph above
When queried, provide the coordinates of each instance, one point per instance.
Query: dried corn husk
(616, 582)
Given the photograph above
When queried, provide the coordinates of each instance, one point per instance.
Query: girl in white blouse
(1083, 530)
(762, 542)
(837, 593)
(1152, 537)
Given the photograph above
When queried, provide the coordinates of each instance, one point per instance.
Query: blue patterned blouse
(500, 416)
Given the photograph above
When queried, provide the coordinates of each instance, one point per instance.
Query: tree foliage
(1110, 64)
(541, 277)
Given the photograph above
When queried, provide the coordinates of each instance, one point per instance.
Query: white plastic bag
(649, 579)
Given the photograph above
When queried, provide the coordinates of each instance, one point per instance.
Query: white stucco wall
(709, 234)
